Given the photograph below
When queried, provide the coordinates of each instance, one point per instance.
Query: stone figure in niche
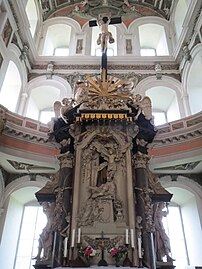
(7, 31)
(162, 242)
(118, 206)
(99, 172)
(95, 207)
(94, 164)
(128, 46)
(46, 237)
(90, 162)
(138, 226)
(106, 190)
(111, 154)
(79, 46)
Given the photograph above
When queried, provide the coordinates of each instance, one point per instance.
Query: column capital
(140, 160)
(66, 160)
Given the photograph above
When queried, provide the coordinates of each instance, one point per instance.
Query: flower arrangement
(87, 251)
(118, 252)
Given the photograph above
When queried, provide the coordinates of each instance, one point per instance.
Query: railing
(22, 126)
(29, 128)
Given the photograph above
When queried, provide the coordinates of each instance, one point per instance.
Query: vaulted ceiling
(88, 9)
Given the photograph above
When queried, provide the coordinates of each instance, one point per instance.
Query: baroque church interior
(100, 133)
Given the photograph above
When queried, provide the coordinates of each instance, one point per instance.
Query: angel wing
(57, 106)
(146, 107)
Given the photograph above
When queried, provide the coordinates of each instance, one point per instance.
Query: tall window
(57, 40)
(153, 40)
(159, 118)
(41, 102)
(180, 14)
(147, 52)
(34, 220)
(46, 115)
(32, 15)
(164, 104)
(175, 230)
(11, 87)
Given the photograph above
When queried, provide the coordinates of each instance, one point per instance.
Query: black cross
(105, 20)
(101, 243)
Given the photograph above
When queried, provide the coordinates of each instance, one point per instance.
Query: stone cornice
(24, 128)
(187, 129)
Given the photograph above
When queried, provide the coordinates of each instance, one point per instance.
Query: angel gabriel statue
(62, 108)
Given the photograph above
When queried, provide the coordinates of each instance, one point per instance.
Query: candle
(65, 247)
(132, 238)
(126, 236)
(73, 237)
(79, 236)
(139, 247)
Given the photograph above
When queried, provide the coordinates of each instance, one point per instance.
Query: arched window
(184, 221)
(183, 227)
(22, 209)
(164, 104)
(11, 87)
(180, 14)
(32, 15)
(57, 40)
(194, 84)
(42, 95)
(33, 222)
(153, 40)
(40, 104)
(111, 48)
(174, 228)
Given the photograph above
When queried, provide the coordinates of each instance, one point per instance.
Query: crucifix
(101, 242)
(104, 37)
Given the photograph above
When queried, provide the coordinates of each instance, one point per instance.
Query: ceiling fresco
(88, 9)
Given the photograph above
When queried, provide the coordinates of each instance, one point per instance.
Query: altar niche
(103, 191)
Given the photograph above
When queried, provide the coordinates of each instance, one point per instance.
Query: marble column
(144, 208)
(63, 205)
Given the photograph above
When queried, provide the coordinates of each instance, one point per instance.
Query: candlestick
(132, 238)
(79, 236)
(139, 247)
(65, 247)
(126, 236)
(73, 237)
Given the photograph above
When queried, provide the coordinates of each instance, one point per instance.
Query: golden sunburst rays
(105, 87)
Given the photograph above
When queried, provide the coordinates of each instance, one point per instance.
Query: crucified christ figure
(105, 36)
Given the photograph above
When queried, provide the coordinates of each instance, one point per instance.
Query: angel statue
(62, 108)
(142, 105)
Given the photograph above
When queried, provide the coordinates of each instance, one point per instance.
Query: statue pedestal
(42, 266)
(165, 265)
